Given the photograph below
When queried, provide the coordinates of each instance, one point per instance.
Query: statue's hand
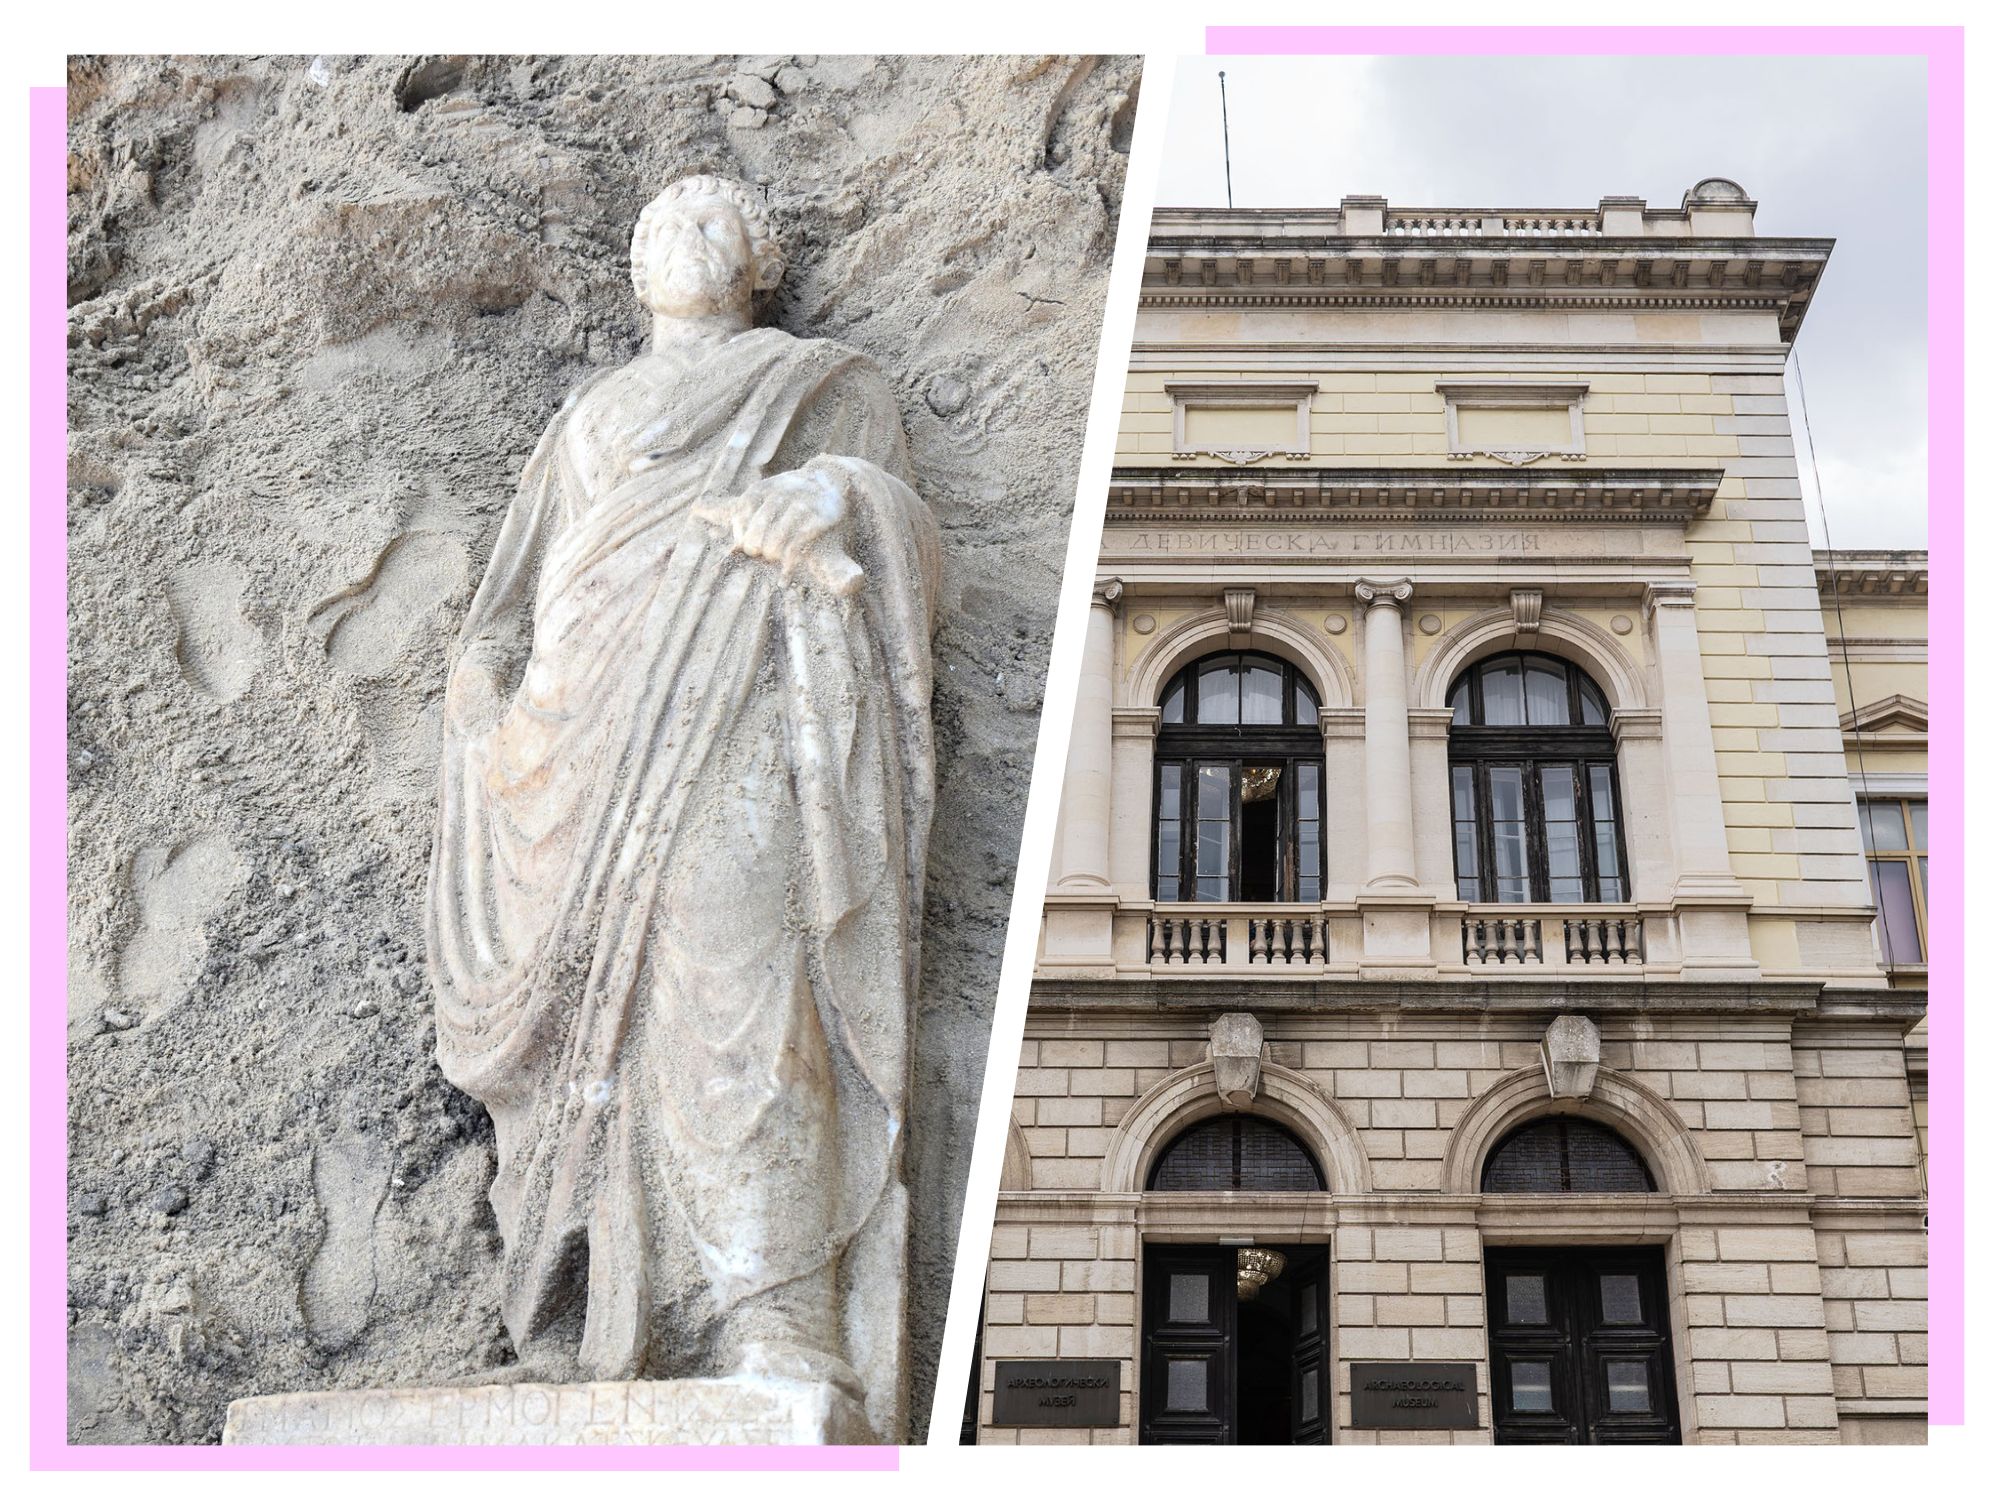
(472, 695)
(779, 520)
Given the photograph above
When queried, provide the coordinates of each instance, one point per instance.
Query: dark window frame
(1562, 1126)
(1290, 746)
(1235, 1123)
(1532, 749)
(1914, 855)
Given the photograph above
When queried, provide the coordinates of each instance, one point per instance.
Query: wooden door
(1187, 1387)
(1580, 1345)
(1311, 1389)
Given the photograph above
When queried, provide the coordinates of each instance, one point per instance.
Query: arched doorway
(1234, 1344)
(1579, 1336)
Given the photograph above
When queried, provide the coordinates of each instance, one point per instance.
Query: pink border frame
(1943, 49)
(48, 950)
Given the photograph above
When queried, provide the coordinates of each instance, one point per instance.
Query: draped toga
(675, 888)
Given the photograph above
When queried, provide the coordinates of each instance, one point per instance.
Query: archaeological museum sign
(1407, 1396)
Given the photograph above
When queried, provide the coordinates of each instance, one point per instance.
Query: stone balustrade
(1502, 940)
(1213, 936)
(1325, 940)
(1459, 223)
(1714, 208)
(1604, 940)
(1554, 937)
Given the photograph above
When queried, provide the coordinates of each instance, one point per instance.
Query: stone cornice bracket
(1236, 1050)
(1677, 594)
(1239, 605)
(1394, 592)
(1107, 592)
(1527, 611)
(1571, 1053)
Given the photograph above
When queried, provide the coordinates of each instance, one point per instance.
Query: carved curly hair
(765, 250)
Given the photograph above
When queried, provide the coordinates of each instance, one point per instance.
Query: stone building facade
(1877, 634)
(1459, 889)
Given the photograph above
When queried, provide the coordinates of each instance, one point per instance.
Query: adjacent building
(1461, 1012)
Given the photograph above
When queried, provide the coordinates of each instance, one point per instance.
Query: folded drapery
(676, 885)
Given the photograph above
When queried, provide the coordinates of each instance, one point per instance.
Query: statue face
(699, 261)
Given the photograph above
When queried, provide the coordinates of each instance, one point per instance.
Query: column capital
(1107, 592)
(1677, 593)
(1343, 723)
(1135, 724)
(1430, 723)
(1390, 591)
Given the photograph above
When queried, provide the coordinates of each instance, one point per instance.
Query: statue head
(704, 246)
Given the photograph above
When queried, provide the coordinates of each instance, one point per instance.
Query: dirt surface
(321, 308)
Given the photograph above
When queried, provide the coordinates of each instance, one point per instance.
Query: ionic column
(1392, 859)
(1084, 857)
(1694, 784)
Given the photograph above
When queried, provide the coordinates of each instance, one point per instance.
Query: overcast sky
(1827, 146)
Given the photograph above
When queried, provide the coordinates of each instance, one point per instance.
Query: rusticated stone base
(740, 1409)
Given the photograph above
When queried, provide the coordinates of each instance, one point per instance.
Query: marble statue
(678, 872)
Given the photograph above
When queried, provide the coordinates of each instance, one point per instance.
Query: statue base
(737, 1409)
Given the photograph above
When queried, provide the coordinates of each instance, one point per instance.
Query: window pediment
(1898, 714)
(1512, 422)
(1242, 421)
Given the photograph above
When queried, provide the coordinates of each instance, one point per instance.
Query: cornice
(1469, 493)
(1779, 999)
(1443, 997)
(1888, 575)
(1557, 271)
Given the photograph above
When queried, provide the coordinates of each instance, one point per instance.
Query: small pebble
(947, 395)
(169, 1200)
(364, 1009)
(753, 91)
(92, 1205)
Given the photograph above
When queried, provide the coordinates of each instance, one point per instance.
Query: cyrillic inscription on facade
(1325, 543)
(1055, 1393)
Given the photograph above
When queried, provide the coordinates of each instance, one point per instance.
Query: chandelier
(1254, 1268)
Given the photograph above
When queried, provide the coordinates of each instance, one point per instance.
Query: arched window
(1239, 774)
(1565, 1154)
(1534, 784)
(1235, 1153)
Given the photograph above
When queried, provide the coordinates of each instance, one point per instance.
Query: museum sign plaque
(1414, 1395)
(1055, 1393)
